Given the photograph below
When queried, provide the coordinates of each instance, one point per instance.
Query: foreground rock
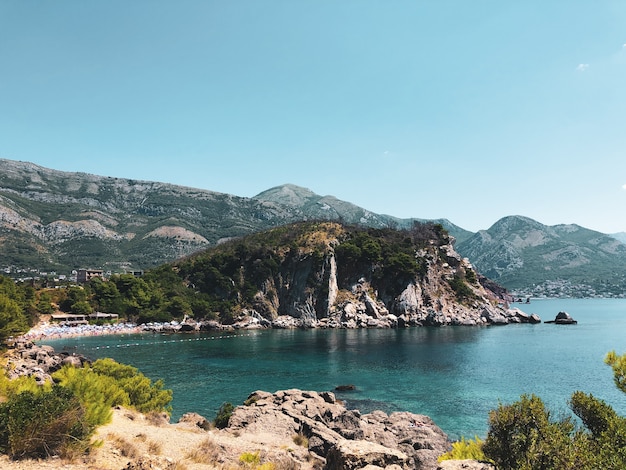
(287, 430)
(342, 438)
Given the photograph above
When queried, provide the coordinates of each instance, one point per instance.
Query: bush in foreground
(525, 436)
(465, 449)
(108, 383)
(43, 424)
(41, 421)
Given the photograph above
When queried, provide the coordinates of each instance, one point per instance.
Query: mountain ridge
(56, 220)
(53, 219)
(525, 255)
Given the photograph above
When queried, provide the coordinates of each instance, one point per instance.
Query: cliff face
(330, 275)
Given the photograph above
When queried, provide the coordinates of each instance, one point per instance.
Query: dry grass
(285, 463)
(206, 453)
(301, 440)
(154, 448)
(126, 448)
(344, 296)
(157, 419)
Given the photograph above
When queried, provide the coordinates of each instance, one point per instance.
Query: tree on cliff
(524, 435)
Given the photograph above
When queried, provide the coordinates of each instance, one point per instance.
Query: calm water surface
(453, 374)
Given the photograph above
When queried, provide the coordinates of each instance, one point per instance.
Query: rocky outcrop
(563, 318)
(26, 358)
(342, 438)
(323, 284)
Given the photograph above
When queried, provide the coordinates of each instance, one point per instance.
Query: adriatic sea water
(455, 375)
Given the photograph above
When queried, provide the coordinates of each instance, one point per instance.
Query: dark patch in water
(367, 406)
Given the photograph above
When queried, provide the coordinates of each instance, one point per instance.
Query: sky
(470, 111)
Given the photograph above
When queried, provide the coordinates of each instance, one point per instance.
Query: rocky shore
(298, 429)
(25, 358)
(351, 316)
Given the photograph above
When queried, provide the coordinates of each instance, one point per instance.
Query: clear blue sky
(465, 110)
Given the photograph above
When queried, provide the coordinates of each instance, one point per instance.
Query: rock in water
(563, 318)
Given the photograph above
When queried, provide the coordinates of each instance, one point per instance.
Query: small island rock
(563, 318)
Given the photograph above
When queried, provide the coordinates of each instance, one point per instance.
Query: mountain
(306, 204)
(621, 236)
(534, 259)
(54, 220)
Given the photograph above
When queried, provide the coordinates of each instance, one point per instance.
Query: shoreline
(52, 331)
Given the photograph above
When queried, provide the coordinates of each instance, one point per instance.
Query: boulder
(29, 359)
(348, 455)
(195, 420)
(72, 361)
(209, 325)
(187, 327)
(563, 318)
(493, 316)
(151, 462)
(345, 388)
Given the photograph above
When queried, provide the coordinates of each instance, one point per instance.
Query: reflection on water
(453, 374)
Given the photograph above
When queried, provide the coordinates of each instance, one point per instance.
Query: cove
(455, 375)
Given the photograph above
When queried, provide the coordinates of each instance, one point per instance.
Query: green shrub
(43, 424)
(465, 449)
(97, 393)
(223, 415)
(460, 288)
(250, 459)
(143, 394)
(606, 439)
(523, 435)
(10, 388)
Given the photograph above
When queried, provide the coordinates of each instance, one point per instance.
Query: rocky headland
(328, 275)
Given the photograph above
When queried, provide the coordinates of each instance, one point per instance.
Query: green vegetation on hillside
(20, 306)
(218, 283)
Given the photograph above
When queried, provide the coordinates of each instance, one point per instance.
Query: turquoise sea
(455, 375)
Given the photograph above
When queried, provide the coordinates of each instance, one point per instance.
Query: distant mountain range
(53, 220)
(534, 259)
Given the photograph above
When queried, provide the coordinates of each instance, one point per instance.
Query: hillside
(53, 220)
(325, 274)
(59, 221)
(532, 258)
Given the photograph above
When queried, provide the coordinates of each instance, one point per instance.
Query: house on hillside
(86, 275)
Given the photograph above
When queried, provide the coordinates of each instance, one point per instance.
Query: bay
(455, 375)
